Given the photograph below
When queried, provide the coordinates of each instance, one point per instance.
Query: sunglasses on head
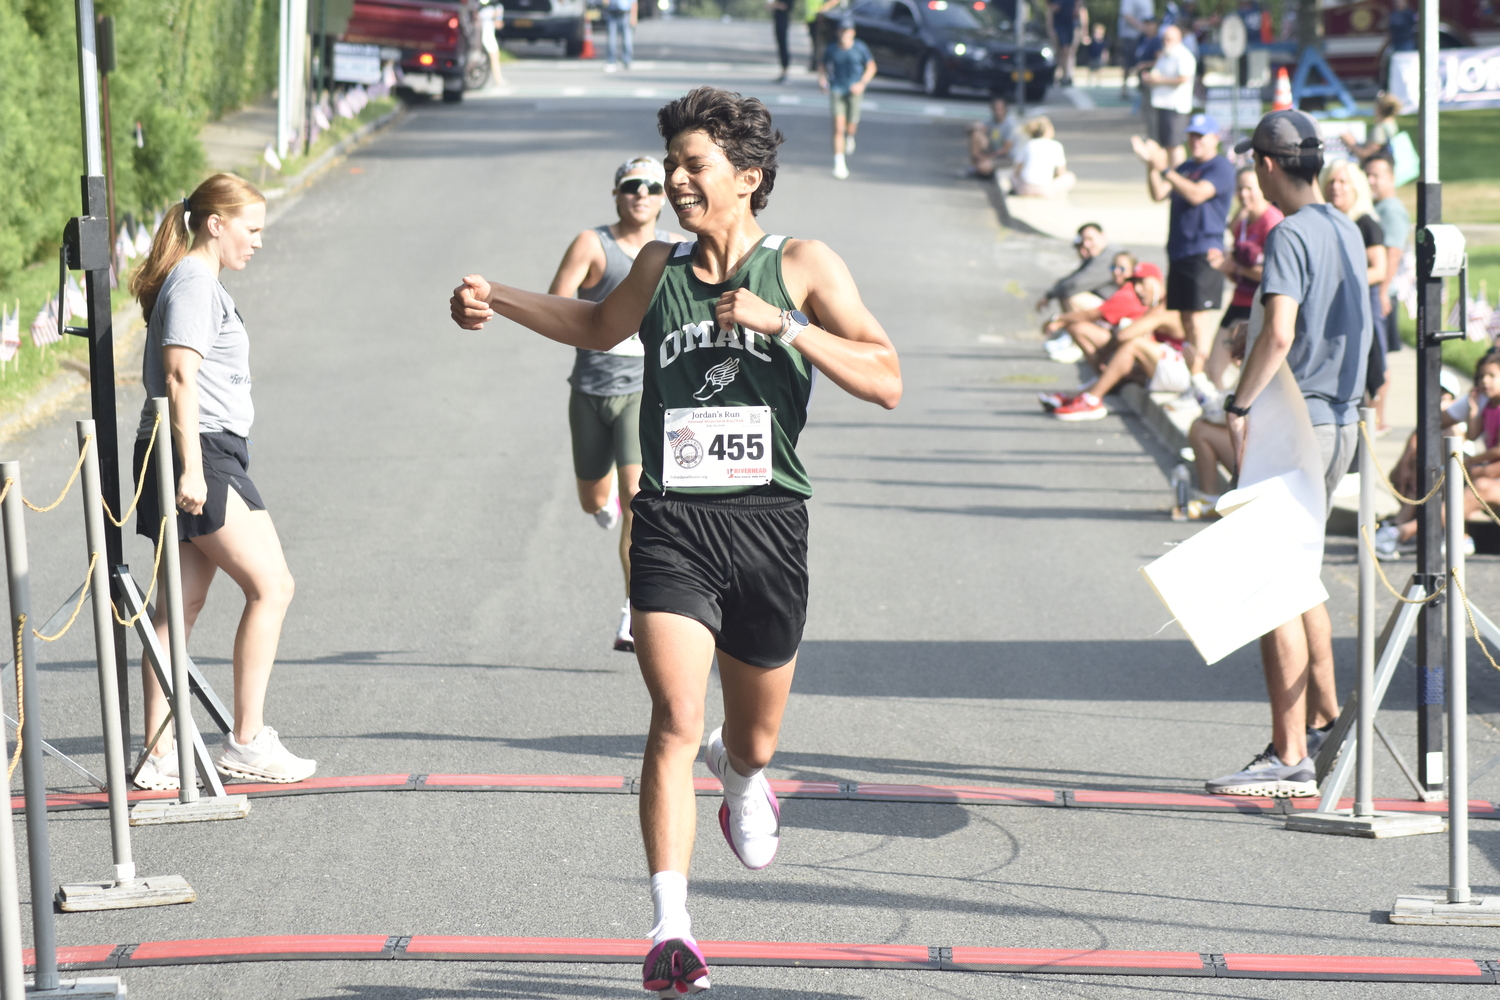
(640, 185)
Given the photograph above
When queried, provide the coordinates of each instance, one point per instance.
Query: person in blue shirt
(1201, 189)
(847, 67)
(1403, 27)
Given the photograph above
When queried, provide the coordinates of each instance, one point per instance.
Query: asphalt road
(976, 617)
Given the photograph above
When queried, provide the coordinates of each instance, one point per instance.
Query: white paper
(1259, 566)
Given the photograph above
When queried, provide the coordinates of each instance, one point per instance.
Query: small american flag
(44, 328)
(677, 437)
(10, 332)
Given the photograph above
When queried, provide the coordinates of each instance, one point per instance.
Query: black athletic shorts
(1194, 285)
(1233, 315)
(226, 464)
(738, 565)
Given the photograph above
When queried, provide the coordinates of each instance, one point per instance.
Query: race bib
(717, 446)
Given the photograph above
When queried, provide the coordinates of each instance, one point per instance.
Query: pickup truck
(423, 37)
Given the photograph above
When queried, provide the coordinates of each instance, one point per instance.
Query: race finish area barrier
(805, 955)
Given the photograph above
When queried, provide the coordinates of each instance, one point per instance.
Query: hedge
(179, 63)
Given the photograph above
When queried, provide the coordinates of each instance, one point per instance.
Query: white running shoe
(848, 145)
(840, 170)
(159, 774)
(263, 759)
(609, 515)
(624, 641)
(750, 823)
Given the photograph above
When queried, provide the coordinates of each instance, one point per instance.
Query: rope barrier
(1470, 482)
(1369, 443)
(138, 486)
(77, 468)
(88, 582)
(20, 692)
(161, 537)
(1472, 623)
(1364, 533)
(6, 492)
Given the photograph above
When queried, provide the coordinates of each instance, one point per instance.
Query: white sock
(735, 783)
(1090, 397)
(669, 902)
(838, 159)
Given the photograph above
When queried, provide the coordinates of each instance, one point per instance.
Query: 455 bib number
(717, 446)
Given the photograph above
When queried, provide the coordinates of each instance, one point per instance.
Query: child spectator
(1041, 166)
(1096, 53)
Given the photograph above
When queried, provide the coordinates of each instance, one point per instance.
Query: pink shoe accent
(674, 964)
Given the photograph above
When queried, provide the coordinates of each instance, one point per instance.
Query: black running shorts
(226, 466)
(1194, 285)
(738, 565)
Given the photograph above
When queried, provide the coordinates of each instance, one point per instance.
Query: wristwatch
(793, 322)
(1229, 407)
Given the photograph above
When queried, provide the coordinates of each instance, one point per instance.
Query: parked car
(423, 37)
(1357, 36)
(536, 20)
(941, 44)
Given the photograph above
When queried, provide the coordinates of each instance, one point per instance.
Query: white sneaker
(751, 823)
(840, 170)
(624, 641)
(159, 774)
(1063, 350)
(848, 145)
(263, 759)
(609, 515)
(610, 67)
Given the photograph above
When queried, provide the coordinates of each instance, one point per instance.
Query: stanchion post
(38, 847)
(104, 653)
(1364, 766)
(1458, 681)
(125, 890)
(12, 963)
(171, 585)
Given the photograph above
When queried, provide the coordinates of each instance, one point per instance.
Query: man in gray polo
(1317, 320)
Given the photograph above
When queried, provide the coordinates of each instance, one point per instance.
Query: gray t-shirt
(1093, 275)
(1316, 257)
(193, 310)
(1395, 220)
(621, 370)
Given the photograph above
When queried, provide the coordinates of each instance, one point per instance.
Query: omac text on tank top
(721, 410)
(616, 372)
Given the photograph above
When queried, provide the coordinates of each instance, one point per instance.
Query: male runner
(606, 399)
(848, 67)
(733, 326)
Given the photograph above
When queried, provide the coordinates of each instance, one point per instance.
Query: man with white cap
(605, 404)
(1316, 320)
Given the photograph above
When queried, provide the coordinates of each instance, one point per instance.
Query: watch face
(799, 318)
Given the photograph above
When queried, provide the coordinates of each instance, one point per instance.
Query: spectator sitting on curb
(1149, 350)
(995, 140)
(1249, 229)
(1402, 529)
(1208, 435)
(1317, 323)
(1041, 165)
(1092, 281)
(1083, 333)
(1200, 190)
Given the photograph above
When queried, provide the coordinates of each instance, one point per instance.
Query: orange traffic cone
(588, 40)
(1282, 101)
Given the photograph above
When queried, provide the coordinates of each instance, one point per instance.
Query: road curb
(304, 178)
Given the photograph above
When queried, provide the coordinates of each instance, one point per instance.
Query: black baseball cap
(1283, 133)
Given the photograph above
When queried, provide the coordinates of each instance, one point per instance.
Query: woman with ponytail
(198, 356)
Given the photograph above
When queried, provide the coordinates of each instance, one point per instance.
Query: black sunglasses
(633, 185)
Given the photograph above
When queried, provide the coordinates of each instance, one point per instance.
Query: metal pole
(171, 584)
(12, 965)
(38, 848)
(104, 651)
(1364, 767)
(1430, 568)
(1021, 58)
(1458, 683)
(283, 88)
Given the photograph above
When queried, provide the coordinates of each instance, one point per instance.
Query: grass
(1484, 265)
(1468, 151)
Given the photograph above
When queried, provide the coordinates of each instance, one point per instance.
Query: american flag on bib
(677, 437)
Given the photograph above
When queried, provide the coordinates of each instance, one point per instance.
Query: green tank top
(691, 363)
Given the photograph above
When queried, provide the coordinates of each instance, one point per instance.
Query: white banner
(1470, 78)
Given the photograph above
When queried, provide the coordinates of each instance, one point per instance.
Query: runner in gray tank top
(719, 543)
(605, 404)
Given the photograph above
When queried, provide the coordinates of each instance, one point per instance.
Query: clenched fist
(470, 304)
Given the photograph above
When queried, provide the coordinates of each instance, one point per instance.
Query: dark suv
(952, 43)
(534, 20)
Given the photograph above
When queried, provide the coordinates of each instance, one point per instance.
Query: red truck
(1357, 36)
(423, 37)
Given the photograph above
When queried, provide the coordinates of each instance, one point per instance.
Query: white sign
(356, 63)
(716, 446)
(1232, 36)
(1468, 78)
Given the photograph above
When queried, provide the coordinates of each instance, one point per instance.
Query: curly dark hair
(741, 126)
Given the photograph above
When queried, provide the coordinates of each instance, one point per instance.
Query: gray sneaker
(1267, 776)
(263, 759)
(1315, 738)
